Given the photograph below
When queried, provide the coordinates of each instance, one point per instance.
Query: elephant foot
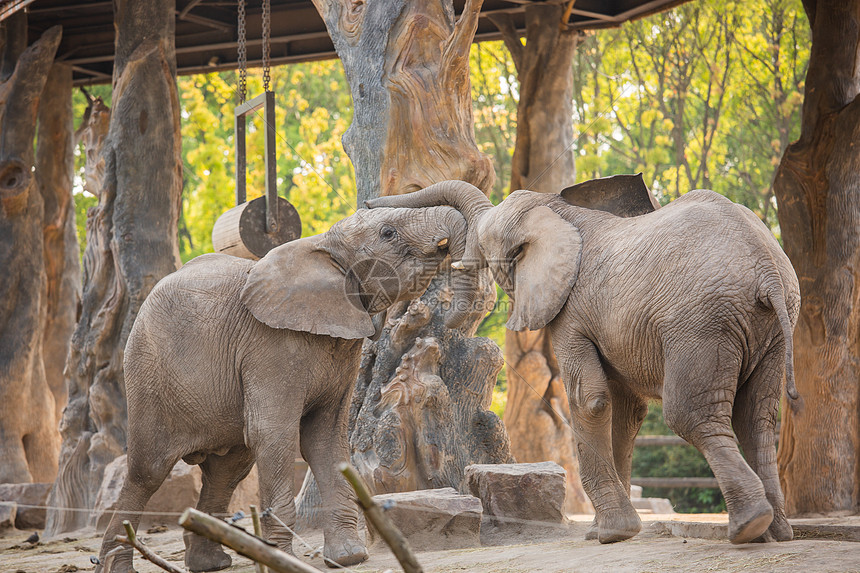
(591, 534)
(618, 525)
(205, 555)
(345, 553)
(779, 530)
(751, 523)
(115, 558)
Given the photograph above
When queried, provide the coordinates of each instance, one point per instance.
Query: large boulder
(432, 519)
(31, 499)
(516, 495)
(179, 491)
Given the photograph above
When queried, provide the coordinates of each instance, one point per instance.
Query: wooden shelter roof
(206, 29)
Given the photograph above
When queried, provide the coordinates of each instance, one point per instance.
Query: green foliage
(707, 95)
(674, 461)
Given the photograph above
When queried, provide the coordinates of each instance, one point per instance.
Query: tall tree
(28, 438)
(54, 167)
(817, 187)
(132, 243)
(537, 415)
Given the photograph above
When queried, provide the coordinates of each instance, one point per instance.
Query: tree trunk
(817, 186)
(132, 243)
(537, 415)
(407, 64)
(29, 442)
(55, 163)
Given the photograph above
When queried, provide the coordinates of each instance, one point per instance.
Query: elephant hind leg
(698, 395)
(221, 475)
(754, 418)
(145, 476)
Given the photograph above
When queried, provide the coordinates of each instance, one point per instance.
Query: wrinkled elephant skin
(232, 362)
(693, 303)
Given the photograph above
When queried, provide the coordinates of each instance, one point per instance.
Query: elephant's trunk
(472, 204)
(464, 197)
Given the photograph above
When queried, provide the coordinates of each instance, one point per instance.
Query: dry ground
(559, 551)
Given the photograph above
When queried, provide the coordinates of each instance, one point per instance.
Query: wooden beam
(13, 7)
(675, 482)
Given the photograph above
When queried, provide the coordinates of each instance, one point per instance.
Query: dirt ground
(560, 550)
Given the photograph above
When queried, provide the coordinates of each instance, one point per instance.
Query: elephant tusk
(458, 265)
(443, 242)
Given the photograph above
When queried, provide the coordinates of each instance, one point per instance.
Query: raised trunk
(55, 163)
(817, 186)
(29, 442)
(537, 415)
(131, 244)
(407, 66)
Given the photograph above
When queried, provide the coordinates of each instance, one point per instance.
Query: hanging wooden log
(241, 231)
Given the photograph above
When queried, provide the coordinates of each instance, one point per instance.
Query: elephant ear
(300, 287)
(545, 269)
(621, 195)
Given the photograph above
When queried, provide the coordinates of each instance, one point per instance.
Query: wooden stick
(258, 531)
(383, 524)
(148, 554)
(243, 543)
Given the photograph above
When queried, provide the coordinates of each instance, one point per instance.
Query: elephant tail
(775, 298)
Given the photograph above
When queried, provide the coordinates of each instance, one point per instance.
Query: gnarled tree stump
(407, 67)
(29, 442)
(132, 244)
(817, 185)
(55, 164)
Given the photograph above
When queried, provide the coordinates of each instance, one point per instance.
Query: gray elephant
(232, 361)
(694, 303)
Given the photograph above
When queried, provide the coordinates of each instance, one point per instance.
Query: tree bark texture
(55, 164)
(407, 64)
(131, 245)
(29, 442)
(419, 413)
(818, 188)
(537, 414)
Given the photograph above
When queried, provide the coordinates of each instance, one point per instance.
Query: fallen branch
(131, 539)
(383, 524)
(242, 542)
(258, 531)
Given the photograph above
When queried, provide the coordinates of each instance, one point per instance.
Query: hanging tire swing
(253, 228)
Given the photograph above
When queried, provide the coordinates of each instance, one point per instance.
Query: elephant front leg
(324, 446)
(591, 410)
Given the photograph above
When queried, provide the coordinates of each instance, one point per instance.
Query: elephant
(232, 362)
(694, 304)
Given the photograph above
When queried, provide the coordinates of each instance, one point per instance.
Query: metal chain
(267, 30)
(243, 54)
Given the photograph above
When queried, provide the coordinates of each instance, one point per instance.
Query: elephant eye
(515, 254)
(387, 233)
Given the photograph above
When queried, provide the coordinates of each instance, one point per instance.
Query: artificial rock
(26, 496)
(514, 494)
(433, 519)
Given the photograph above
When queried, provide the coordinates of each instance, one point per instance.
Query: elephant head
(338, 283)
(529, 241)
